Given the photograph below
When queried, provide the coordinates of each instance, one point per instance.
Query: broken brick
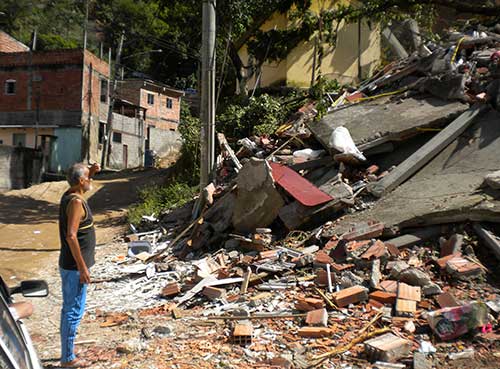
(446, 300)
(442, 261)
(375, 251)
(462, 267)
(389, 286)
(405, 307)
(322, 258)
(308, 304)
(387, 347)
(341, 267)
(383, 297)
(269, 254)
(314, 332)
(364, 232)
(317, 317)
(350, 295)
(213, 293)
(407, 292)
(171, 289)
(322, 278)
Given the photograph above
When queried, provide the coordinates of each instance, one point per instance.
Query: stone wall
(20, 167)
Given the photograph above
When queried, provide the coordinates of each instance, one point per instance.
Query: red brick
(308, 304)
(383, 297)
(375, 304)
(341, 267)
(322, 278)
(171, 289)
(242, 334)
(350, 295)
(322, 258)
(315, 332)
(317, 317)
(364, 232)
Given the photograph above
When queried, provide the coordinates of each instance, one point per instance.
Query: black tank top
(85, 235)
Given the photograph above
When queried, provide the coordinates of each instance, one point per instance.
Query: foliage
(187, 167)
(156, 199)
(319, 93)
(261, 116)
(58, 23)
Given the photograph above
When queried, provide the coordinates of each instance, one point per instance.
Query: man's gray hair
(75, 172)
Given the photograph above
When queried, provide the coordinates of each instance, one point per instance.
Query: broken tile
(308, 304)
(375, 251)
(462, 267)
(317, 317)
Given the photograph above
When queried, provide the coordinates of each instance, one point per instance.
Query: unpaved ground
(29, 242)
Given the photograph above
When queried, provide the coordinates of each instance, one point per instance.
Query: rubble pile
(365, 237)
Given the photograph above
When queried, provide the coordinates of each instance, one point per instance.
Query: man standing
(77, 236)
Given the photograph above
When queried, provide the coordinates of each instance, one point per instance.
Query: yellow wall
(6, 135)
(338, 63)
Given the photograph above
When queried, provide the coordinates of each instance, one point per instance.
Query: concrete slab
(374, 123)
(449, 188)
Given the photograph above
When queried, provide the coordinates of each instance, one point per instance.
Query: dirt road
(28, 219)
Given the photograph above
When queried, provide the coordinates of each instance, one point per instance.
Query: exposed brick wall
(9, 44)
(157, 114)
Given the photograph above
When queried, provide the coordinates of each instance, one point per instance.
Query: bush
(261, 116)
(156, 199)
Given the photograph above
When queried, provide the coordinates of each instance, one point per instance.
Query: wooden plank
(422, 156)
(226, 147)
(488, 238)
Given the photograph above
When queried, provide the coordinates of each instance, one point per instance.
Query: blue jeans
(74, 295)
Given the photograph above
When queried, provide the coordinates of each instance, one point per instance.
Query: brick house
(59, 101)
(162, 115)
(52, 98)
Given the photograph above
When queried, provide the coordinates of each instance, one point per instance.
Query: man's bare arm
(75, 214)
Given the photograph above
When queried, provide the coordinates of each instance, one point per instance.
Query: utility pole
(112, 95)
(85, 22)
(207, 93)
